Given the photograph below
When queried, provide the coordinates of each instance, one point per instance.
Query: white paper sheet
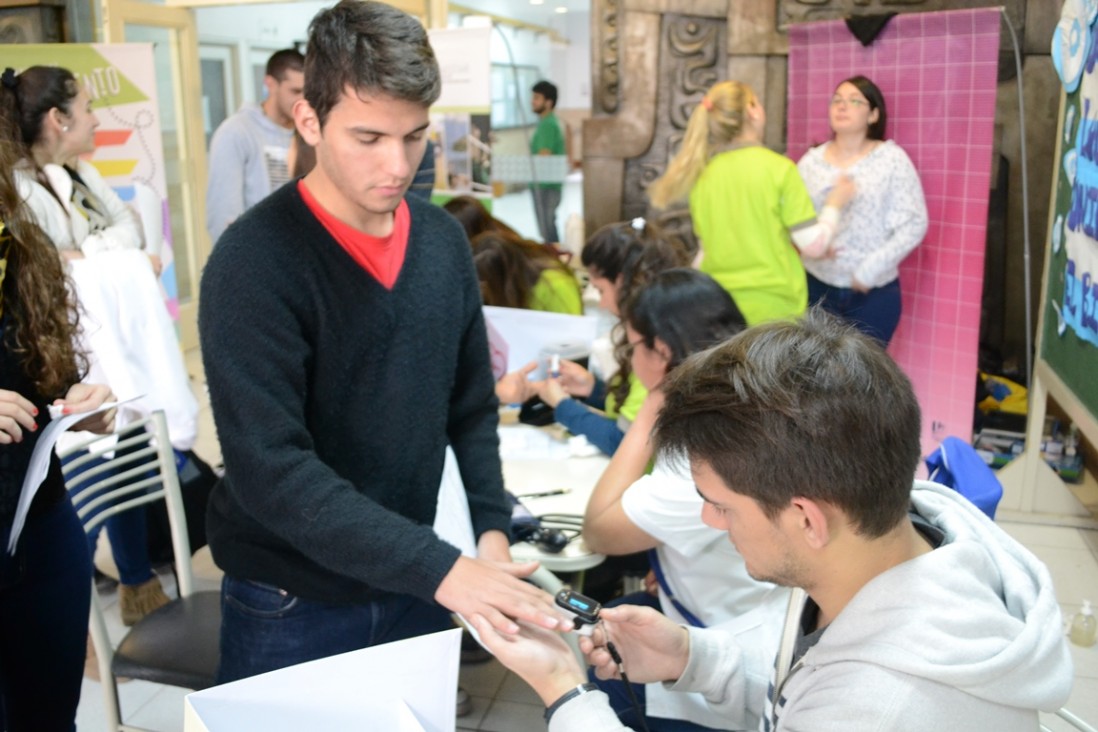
(524, 442)
(406, 686)
(453, 521)
(40, 464)
(530, 332)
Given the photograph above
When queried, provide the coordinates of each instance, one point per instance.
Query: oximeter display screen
(586, 609)
(580, 604)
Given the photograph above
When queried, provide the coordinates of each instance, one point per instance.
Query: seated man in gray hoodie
(917, 613)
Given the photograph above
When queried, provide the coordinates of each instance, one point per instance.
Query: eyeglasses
(853, 102)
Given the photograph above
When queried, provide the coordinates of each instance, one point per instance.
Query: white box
(407, 686)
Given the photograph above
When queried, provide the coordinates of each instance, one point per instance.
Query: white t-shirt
(708, 577)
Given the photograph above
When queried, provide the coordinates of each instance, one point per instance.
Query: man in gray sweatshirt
(248, 150)
(917, 613)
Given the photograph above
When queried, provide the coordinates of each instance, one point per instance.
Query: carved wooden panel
(606, 16)
(693, 56)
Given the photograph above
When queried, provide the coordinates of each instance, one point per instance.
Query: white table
(535, 461)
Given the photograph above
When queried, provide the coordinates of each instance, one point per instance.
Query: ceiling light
(537, 2)
(561, 9)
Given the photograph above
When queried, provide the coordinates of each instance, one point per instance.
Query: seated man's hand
(652, 647)
(496, 591)
(540, 657)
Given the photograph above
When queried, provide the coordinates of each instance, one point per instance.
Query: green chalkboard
(1069, 326)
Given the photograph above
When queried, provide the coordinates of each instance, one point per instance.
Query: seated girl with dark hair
(619, 258)
(519, 274)
(475, 218)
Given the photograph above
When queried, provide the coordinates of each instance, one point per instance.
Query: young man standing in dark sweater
(345, 350)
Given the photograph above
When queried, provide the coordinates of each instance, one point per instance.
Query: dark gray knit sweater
(335, 399)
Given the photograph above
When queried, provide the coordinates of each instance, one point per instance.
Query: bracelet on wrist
(567, 697)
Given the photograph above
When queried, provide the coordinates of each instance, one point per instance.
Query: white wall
(277, 25)
(571, 64)
(253, 32)
(256, 30)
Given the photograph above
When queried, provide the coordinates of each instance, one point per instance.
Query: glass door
(175, 55)
(218, 87)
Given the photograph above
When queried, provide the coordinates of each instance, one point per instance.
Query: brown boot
(137, 601)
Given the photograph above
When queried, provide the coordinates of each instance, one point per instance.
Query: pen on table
(545, 494)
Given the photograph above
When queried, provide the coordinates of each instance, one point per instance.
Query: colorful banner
(129, 153)
(1075, 54)
(938, 74)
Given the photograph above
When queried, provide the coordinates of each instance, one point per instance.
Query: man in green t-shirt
(548, 139)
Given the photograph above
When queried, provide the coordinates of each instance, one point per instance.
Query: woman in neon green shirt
(751, 211)
(520, 274)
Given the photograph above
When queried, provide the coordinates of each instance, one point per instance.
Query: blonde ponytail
(716, 121)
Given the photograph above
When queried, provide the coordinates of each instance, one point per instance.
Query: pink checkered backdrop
(938, 73)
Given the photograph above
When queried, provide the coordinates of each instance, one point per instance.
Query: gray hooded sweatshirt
(968, 637)
(247, 163)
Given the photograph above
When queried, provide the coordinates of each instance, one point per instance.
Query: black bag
(196, 481)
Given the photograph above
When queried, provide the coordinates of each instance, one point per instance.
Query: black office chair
(178, 643)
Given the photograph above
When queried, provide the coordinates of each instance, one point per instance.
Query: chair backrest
(135, 466)
(1072, 719)
(957, 465)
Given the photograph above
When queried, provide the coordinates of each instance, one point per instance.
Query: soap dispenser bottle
(1083, 626)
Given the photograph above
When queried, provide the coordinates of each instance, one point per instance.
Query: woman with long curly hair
(44, 597)
(52, 124)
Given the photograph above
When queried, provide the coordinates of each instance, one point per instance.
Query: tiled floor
(501, 701)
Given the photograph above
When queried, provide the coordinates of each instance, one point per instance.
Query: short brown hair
(288, 59)
(810, 408)
(370, 47)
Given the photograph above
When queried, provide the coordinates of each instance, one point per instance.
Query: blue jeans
(264, 628)
(127, 531)
(619, 698)
(45, 595)
(546, 202)
(875, 313)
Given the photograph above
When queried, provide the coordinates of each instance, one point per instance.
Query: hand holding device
(655, 647)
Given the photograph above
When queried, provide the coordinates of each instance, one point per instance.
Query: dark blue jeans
(45, 595)
(128, 533)
(619, 698)
(875, 313)
(264, 628)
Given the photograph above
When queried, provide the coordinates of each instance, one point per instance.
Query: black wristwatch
(567, 697)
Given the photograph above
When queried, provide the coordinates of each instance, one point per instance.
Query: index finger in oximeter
(584, 610)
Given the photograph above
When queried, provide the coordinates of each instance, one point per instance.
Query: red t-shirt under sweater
(381, 256)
